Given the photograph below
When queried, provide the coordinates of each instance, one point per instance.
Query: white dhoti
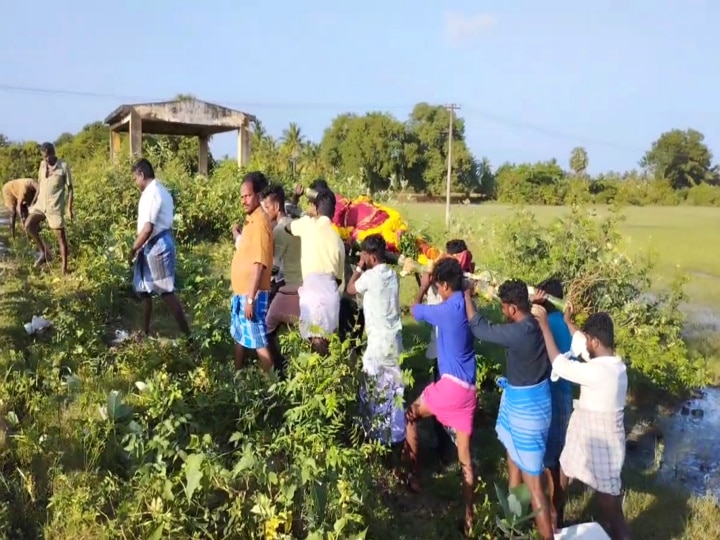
(594, 450)
(319, 301)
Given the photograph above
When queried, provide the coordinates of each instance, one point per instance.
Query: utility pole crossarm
(451, 108)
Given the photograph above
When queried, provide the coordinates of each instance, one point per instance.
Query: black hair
(456, 246)
(276, 193)
(47, 148)
(448, 270)
(325, 203)
(374, 245)
(554, 287)
(257, 180)
(318, 184)
(515, 292)
(600, 326)
(144, 167)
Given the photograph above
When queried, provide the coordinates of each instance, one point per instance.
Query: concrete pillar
(135, 136)
(204, 149)
(115, 144)
(243, 145)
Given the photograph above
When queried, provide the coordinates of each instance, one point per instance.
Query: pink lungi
(452, 402)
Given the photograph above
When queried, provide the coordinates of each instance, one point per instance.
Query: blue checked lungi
(523, 423)
(562, 398)
(250, 334)
(155, 265)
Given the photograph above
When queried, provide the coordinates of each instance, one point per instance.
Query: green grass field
(681, 237)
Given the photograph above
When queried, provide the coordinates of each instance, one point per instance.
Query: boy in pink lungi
(452, 399)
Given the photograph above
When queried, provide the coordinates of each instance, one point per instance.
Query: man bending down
(323, 271)
(594, 450)
(18, 195)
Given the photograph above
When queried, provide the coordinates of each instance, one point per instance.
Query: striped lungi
(595, 449)
(523, 423)
(251, 334)
(155, 265)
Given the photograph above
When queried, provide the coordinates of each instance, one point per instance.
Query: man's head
(48, 153)
(599, 335)
(319, 184)
(143, 172)
(323, 204)
(514, 300)
(372, 250)
(252, 186)
(272, 200)
(447, 275)
(458, 249)
(553, 287)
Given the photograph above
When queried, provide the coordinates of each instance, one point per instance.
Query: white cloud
(461, 28)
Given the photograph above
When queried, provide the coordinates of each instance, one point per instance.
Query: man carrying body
(250, 276)
(323, 271)
(285, 305)
(594, 450)
(153, 252)
(18, 195)
(525, 407)
(54, 197)
(379, 287)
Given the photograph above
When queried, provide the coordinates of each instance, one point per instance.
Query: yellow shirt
(20, 190)
(322, 249)
(255, 246)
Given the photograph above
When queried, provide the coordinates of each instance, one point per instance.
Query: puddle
(692, 444)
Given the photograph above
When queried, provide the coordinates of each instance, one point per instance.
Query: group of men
(49, 198)
(289, 270)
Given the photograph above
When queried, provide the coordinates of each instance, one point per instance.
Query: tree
(579, 161)
(680, 157)
(369, 146)
(539, 183)
(428, 126)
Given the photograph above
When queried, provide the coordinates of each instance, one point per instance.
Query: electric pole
(451, 108)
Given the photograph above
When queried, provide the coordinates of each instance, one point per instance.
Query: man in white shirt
(594, 450)
(322, 263)
(379, 287)
(153, 252)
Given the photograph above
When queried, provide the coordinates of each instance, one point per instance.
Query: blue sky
(534, 79)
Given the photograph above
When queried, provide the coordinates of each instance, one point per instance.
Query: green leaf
(193, 474)
(157, 534)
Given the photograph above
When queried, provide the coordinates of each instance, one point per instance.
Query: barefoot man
(594, 450)
(54, 197)
(18, 195)
(250, 276)
(153, 252)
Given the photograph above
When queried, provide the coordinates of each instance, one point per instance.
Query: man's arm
(70, 188)
(297, 226)
(358, 281)
(500, 334)
(261, 252)
(142, 237)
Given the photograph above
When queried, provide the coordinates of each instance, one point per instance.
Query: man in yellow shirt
(54, 197)
(18, 195)
(250, 276)
(322, 262)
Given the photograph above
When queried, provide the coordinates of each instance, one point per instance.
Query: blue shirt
(563, 340)
(456, 354)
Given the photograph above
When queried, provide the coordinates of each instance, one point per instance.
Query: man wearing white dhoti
(595, 444)
(322, 263)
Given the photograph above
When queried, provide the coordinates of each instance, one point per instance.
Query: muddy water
(692, 444)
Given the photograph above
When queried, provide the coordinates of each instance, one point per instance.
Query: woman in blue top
(451, 399)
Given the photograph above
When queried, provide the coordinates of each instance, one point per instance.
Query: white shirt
(603, 381)
(380, 291)
(156, 207)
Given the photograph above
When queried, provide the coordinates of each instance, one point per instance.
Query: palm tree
(292, 144)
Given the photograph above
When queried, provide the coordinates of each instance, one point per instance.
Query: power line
(490, 117)
(249, 104)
